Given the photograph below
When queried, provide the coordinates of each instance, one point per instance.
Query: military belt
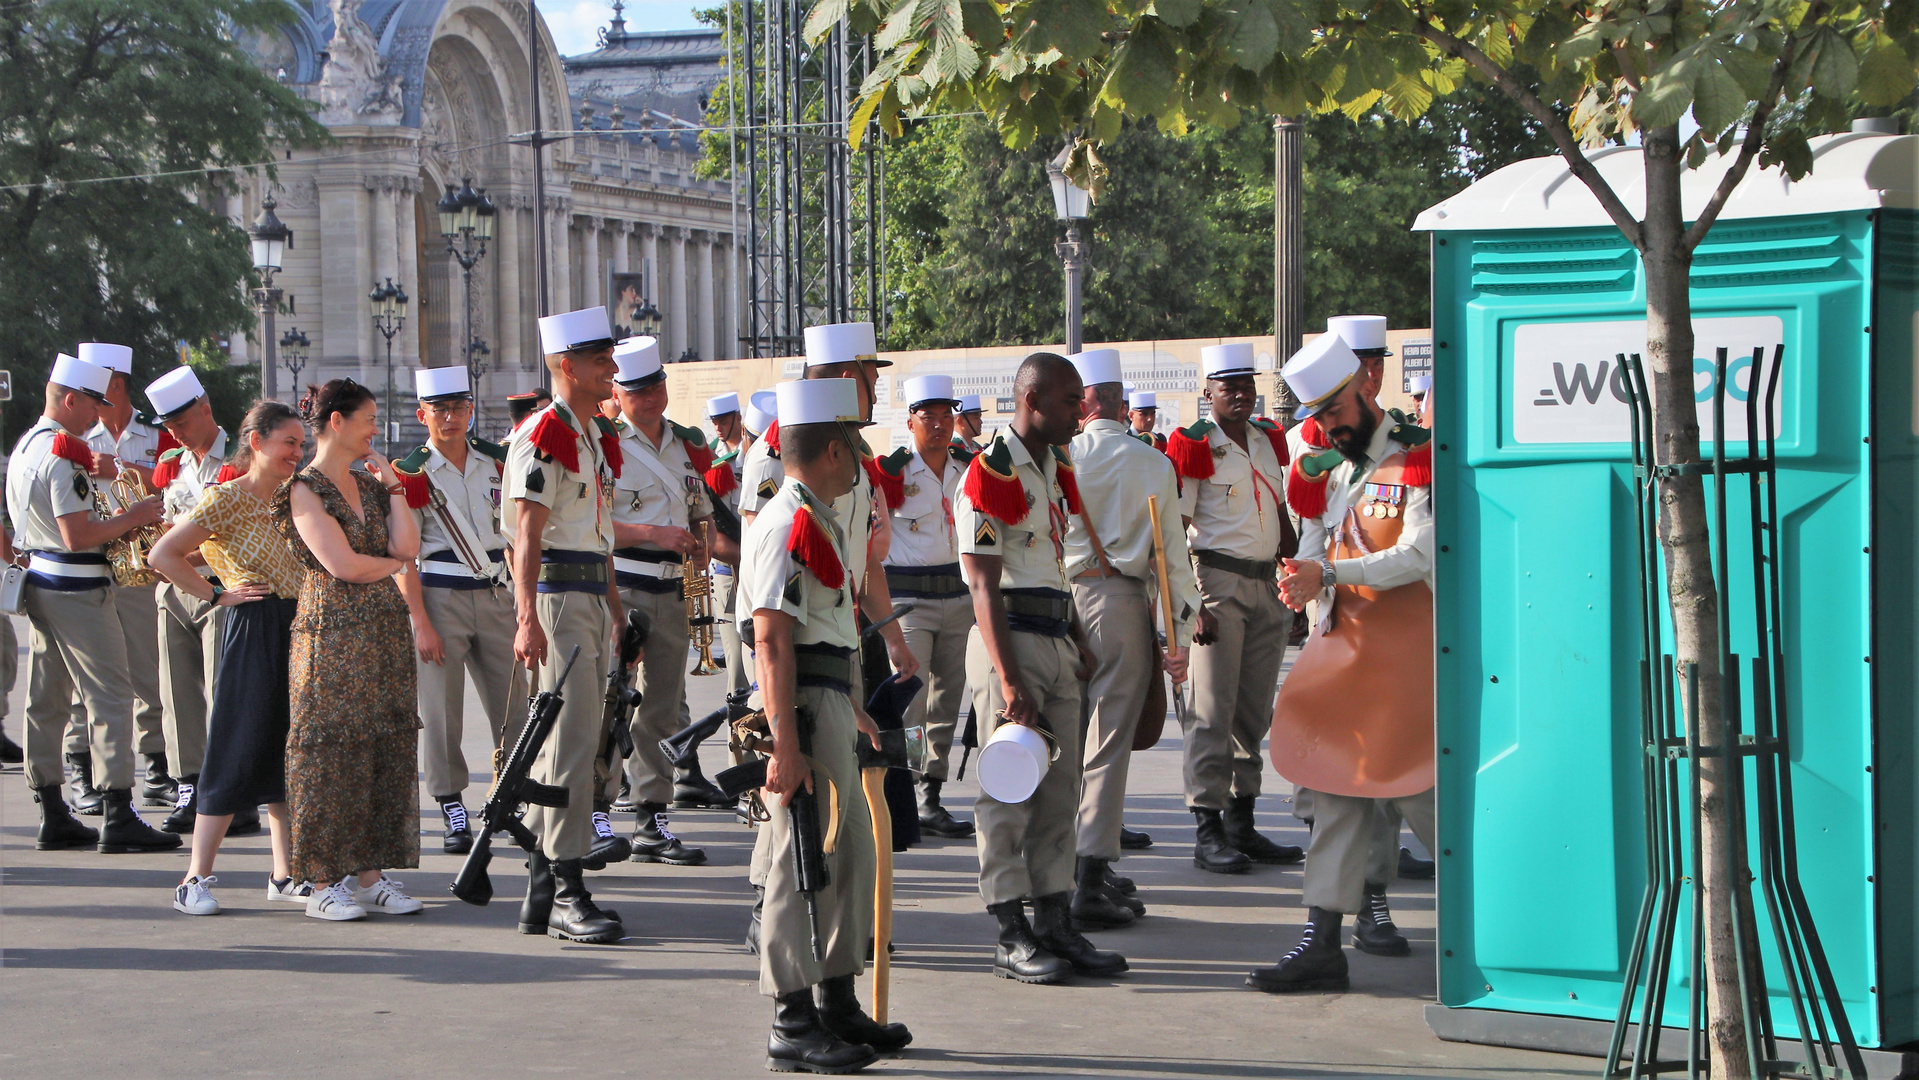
(1246, 568)
(926, 582)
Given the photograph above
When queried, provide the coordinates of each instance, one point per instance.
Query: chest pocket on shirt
(1232, 476)
(923, 511)
(1022, 538)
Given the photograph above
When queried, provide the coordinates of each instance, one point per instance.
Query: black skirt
(247, 729)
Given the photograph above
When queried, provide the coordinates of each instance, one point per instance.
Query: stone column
(559, 258)
(386, 264)
(508, 349)
(593, 288)
(677, 321)
(346, 270)
(709, 316)
(622, 247)
(407, 272)
(238, 347)
(650, 262)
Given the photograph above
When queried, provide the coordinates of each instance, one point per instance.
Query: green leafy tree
(1756, 75)
(125, 121)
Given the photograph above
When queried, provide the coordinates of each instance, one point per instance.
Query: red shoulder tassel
(721, 479)
(1312, 434)
(164, 443)
(74, 449)
(610, 449)
(1306, 497)
(556, 440)
(1159, 442)
(773, 438)
(227, 472)
(812, 548)
(892, 488)
(997, 494)
(165, 472)
(415, 487)
(1418, 470)
(1069, 484)
(700, 456)
(1193, 458)
(1277, 436)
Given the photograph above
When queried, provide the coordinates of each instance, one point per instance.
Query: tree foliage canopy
(125, 121)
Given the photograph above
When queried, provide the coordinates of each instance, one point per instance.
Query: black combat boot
(1053, 924)
(1373, 929)
(693, 791)
(753, 920)
(1134, 840)
(245, 823)
(1316, 964)
(624, 804)
(538, 905)
(58, 829)
(608, 845)
(575, 917)
(653, 842)
(1125, 886)
(840, 1012)
(186, 807)
(1210, 849)
(86, 797)
(1238, 820)
(1093, 905)
(457, 837)
(123, 832)
(1111, 882)
(1020, 955)
(10, 751)
(935, 818)
(801, 1043)
(1414, 868)
(156, 787)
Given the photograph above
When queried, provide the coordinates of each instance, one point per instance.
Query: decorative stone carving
(355, 87)
(298, 194)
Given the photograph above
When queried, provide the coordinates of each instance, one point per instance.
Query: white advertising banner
(1568, 386)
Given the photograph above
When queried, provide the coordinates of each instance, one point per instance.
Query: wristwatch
(1327, 579)
(218, 590)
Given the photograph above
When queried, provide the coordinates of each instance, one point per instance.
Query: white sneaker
(385, 895)
(335, 903)
(195, 896)
(289, 891)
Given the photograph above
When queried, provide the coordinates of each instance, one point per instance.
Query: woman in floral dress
(352, 773)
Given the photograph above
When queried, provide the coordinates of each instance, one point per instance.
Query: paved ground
(99, 976)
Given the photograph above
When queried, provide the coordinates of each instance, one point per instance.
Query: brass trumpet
(127, 554)
(697, 588)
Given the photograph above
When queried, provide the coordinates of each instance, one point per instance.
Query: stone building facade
(420, 94)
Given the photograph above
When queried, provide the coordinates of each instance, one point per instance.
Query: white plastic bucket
(1013, 762)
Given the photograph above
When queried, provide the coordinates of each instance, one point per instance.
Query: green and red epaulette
(165, 471)
(1418, 441)
(1275, 435)
(1191, 453)
(1068, 480)
(812, 547)
(165, 441)
(412, 471)
(772, 439)
(896, 462)
(992, 486)
(1306, 478)
(697, 452)
(73, 448)
(958, 452)
(554, 436)
(719, 475)
(490, 449)
(892, 487)
(227, 472)
(610, 445)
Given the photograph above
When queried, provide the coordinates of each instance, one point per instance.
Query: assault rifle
(501, 813)
(682, 746)
(616, 718)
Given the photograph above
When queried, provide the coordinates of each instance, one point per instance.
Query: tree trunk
(1686, 539)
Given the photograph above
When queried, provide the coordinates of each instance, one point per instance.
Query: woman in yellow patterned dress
(352, 762)
(232, 528)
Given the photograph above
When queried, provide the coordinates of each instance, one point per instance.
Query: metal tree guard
(1673, 804)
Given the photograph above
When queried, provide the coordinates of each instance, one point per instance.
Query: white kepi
(1227, 361)
(1142, 399)
(587, 328)
(76, 374)
(638, 359)
(1318, 371)
(1097, 366)
(762, 409)
(441, 383)
(1362, 333)
(819, 401)
(1014, 761)
(930, 390)
(170, 394)
(111, 357)
(720, 404)
(969, 403)
(1420, 384)
(841, 343)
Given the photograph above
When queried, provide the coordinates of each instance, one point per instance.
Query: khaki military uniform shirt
(657, 485)
(43, 488)
(474, 491)
(1117, 472)
(923, 524)
(196, 475)
(1241, 509)
(1032, 550)
(823, 616)
(580, 502)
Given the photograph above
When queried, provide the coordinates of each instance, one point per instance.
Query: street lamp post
(646, 321)
(1070, 208)
(389, 318)
(293, 349)
(466, 222)
(270, 238)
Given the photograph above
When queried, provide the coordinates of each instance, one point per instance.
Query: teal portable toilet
(1535, 293)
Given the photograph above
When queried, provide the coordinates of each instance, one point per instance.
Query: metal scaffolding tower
(814, 205)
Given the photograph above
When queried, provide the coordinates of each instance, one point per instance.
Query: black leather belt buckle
(556, 573)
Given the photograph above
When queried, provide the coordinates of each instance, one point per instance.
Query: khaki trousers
(1026, 849)
(1234, 682)
(569, 619)
(1345, 843)
(936, 632)
(138, 612)
(189, 666)
(845, 906)
(1382, 866)
(477, 627)
(9, 661)
(661, 679)
(76, 644)
(739, 661)
(1119, 628)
